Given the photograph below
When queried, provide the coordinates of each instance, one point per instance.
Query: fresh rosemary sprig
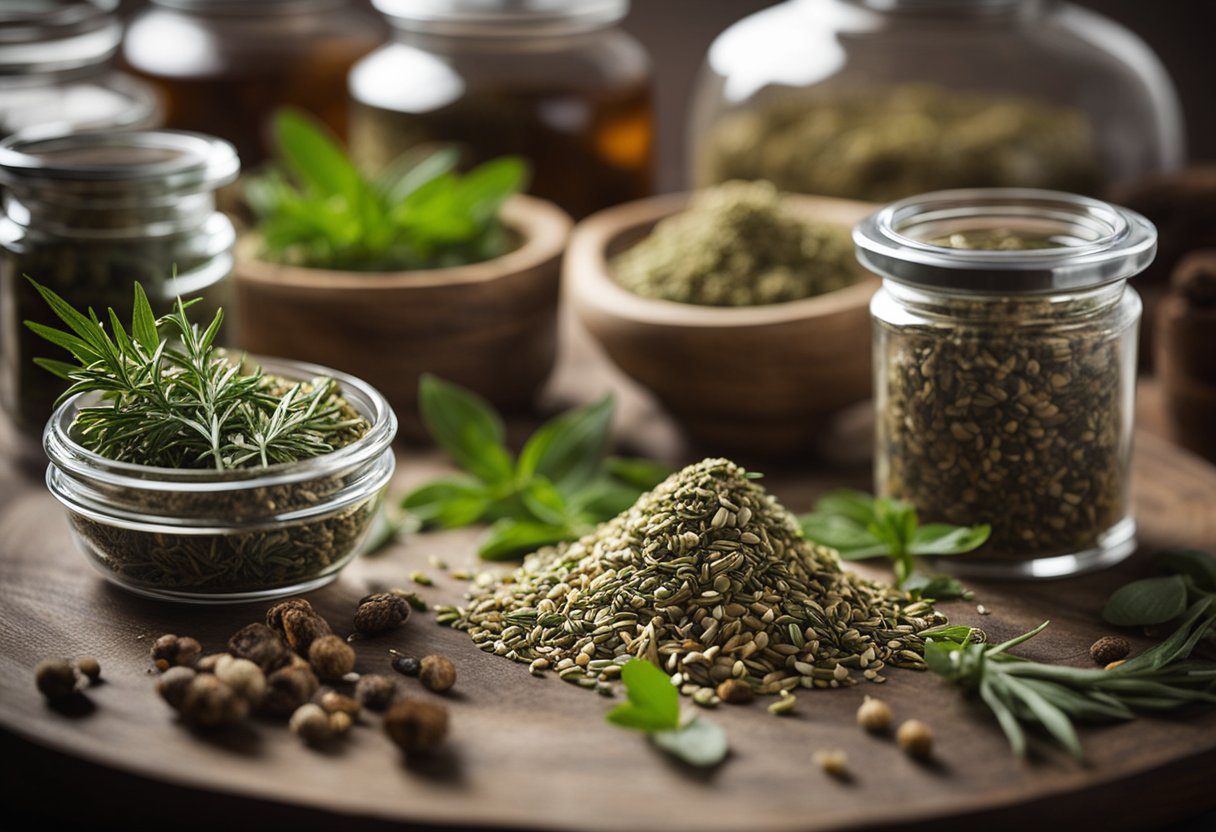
(1018, 691)
(173, 400)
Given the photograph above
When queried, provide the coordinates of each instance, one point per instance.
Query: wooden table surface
(536, 753)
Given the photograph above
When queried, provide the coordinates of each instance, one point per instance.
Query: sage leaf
(944, 539)
(568, 449)
(845, 502)
(1149, 601)
(465, 426)
(545, 502)
(511, 538)
(642, 474)
(449, 503)
(937, 587)
(315, 157)
(842, 533)
(654, 702)
(700, 743)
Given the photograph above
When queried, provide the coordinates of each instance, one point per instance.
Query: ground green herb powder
(738, 244)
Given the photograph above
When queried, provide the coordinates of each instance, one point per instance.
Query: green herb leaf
(143, 322)
(845, 535)
(700, 743)
(568, 449)
(937, 587)
(315, 157)
(642, 474)
(450, 502)
(511, 538)
(654, 702)
(1150, 601)
(944, 539)
(545, 502)
(1199, 566)
(846, 502)
(466, 427)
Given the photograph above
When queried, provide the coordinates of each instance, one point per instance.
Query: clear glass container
(882, 99)
(88, 215)
(225, 537)
(56, 69)
(224, 66)
(553, 81)
(1005, 370)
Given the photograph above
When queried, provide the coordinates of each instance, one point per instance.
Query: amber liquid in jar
(229, 73)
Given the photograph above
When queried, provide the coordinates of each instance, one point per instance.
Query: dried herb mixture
(708, 577)
(738, 244)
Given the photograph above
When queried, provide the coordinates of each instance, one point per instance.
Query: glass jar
(553, 81)
(224, 66)
(224, 537)
(88, 215)
(882, 99)
(55, 69)
(1005, 370)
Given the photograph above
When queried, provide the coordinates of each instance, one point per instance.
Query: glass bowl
(224, 537)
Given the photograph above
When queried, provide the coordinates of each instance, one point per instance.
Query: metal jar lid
(1056, 241)
(147, 162)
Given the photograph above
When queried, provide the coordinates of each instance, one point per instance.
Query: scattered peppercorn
(298, 623)
(261, 645)
(287, 689)
(437, 673)
(416, 726)
(331, 657)
(175, 651)
(375, 692)
(735, 692)
(381, 612)
(833, 761)
(340, 722)
(406, 665)
(209, 703)
(333, 702)
(243, 676)
(915, 738)
(1109, 649)
(172, 685)
(56, 679)
(311, 724)
(90, 667)
(874, 715)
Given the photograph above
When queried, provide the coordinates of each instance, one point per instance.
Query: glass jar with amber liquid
(224, 66)
(553, 81)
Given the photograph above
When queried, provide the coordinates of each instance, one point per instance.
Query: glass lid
(56, 35)
(498, 17)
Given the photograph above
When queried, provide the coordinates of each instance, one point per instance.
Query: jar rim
(502, 17)
(1081, 242)
(157, 160)
(58, 36)
(68, 455)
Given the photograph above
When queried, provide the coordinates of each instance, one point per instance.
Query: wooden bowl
(491, 326)
(759, 378)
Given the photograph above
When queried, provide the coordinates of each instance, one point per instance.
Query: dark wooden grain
(536, 753)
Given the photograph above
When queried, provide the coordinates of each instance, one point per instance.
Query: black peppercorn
(380, 612)
(407, 665)
(287, 689)
(437, 673)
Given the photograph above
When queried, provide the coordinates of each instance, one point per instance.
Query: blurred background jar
(56, 68)
(879, 99)
(554, 81)
(89, 214)
(224, 66)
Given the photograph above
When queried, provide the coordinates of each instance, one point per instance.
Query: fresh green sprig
(318, 210)
(173, 400)
(558, 488)
(654, 709)
(1021, 692)
(860, 526)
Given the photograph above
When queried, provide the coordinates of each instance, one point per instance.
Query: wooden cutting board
(536, 753)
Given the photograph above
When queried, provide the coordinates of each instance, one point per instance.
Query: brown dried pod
(171, 650)
(209, 703)
(90, 667)
(437, 673)
(416, 726)
(261, 645)
(172, 685)
(331, 657)
(300, 628)
(376, 692)
(380, 612)
(55, 678)
(287, 689)
(735, 692)
(1109, 649)
(339, 703)
(274, 615)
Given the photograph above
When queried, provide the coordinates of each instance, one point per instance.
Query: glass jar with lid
(554, 81)
(224, 66)
(1005, 370)
(56, 68)
(88, 215)
(882, 99)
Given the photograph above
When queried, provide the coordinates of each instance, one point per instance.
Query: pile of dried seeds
(708, 577)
